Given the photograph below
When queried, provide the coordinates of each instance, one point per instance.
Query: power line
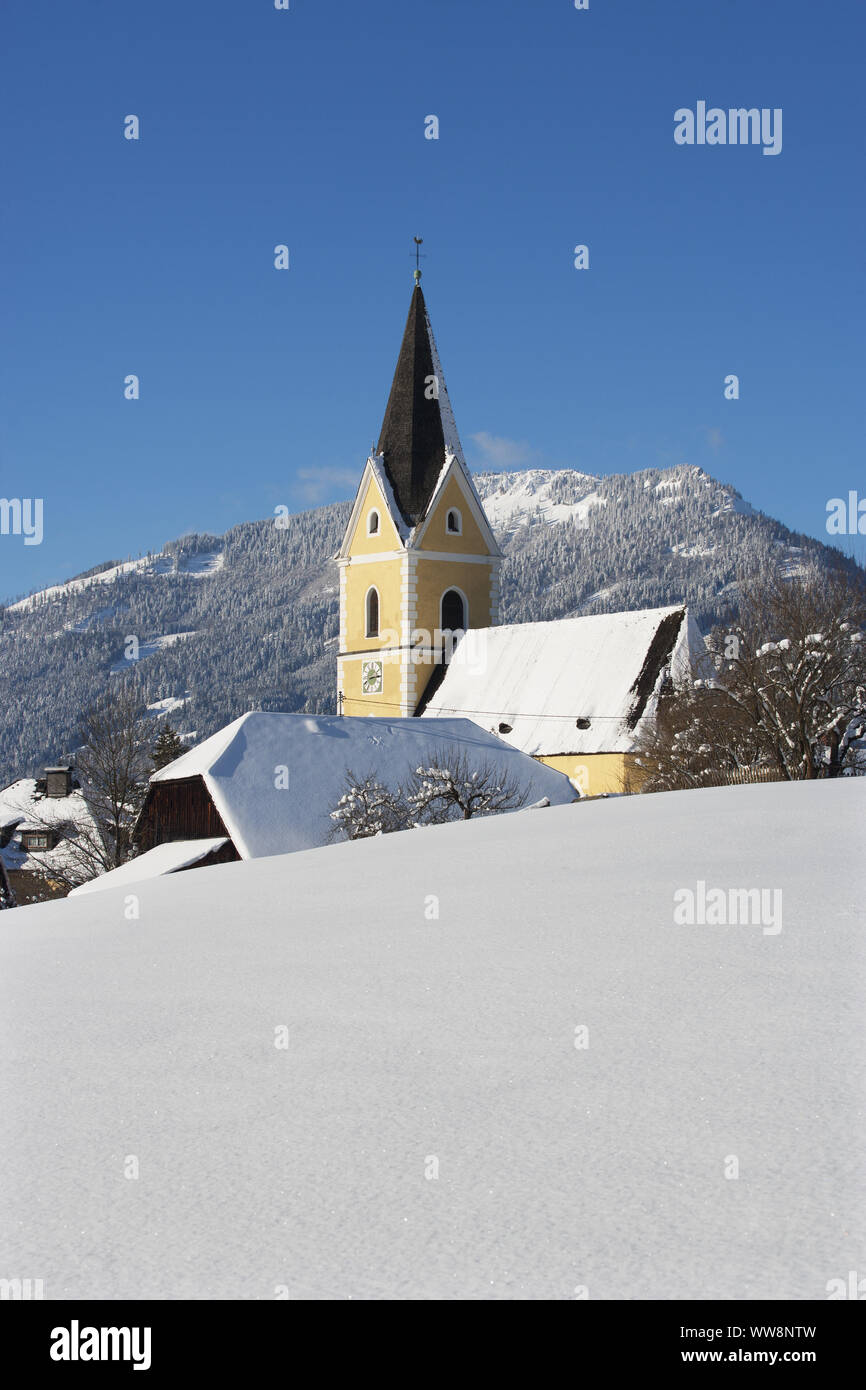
(488, 713)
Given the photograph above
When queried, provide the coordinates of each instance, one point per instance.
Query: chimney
(58, 781)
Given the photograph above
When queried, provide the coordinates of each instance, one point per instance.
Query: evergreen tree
(168, 746)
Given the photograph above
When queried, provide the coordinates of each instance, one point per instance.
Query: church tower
(418, 560)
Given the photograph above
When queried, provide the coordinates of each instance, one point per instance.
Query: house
(575, 694)
(49, 838)
(267, 783)
(419, 568)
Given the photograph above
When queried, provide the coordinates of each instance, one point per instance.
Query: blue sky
(306, 127)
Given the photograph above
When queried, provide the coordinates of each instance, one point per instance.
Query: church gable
(372, 529)
(455, 523)
(375, 525)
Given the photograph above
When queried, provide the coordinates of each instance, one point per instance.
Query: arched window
(373, 523)
(453, 611)
(372, 607)
(454, 522)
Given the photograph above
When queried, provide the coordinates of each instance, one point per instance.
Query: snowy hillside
(197, 565)
(434, 1126)
(258, 608)
(512, 500)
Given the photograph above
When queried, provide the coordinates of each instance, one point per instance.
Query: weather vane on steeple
(419, 241)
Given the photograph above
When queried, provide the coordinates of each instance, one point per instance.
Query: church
(418, 558)
(419, 606)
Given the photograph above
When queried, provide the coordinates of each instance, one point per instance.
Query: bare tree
(366, 808)
(114, 764)
(781, 693)
(452, 788)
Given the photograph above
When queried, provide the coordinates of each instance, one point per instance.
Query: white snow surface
(241, 766)
(170, 703)
(452, 1039)
(149, 647)
(539, 678)
(525, 496)
(162, 859)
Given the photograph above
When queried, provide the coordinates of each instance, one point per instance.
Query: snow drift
(429, 1123)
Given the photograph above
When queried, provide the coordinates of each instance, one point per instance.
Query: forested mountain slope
(249, 620)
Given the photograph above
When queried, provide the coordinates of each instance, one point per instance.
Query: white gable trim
(375, 558)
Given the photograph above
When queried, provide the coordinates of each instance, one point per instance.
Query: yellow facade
(410, 581)
(436, 535)
(435, 577)
(598, 774)
(385, 576)
(386, 538)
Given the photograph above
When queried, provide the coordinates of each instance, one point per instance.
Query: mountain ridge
(257, 608)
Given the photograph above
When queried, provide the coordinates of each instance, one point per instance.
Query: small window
(35, 840)
(373, 523)
(454, 522)
(372, 606)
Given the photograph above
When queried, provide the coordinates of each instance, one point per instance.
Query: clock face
(371, 677)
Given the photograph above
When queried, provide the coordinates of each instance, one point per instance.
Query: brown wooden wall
(181, 810)
(226, 854)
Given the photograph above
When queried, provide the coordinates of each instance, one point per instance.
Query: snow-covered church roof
(579, 685)
(275, 778)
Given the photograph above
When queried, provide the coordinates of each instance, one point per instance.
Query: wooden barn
(182, 808)
(267, 784)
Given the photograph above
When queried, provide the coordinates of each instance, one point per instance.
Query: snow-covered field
(420, 1044)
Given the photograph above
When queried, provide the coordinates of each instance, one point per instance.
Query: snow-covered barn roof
(579, 685)
(162, 859)
(242, 768)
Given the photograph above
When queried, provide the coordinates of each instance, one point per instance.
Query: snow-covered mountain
(330, 1095)
(249, 620)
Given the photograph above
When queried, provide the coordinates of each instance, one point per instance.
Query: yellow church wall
(382, 705)
(436, 537)
(598, 774)
(386, 538)
(434, 577)
(384, 575)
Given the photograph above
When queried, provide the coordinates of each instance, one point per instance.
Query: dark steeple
(418, 421)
